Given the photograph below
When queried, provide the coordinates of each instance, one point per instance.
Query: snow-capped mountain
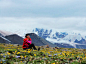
(75, 40)
(61, 39)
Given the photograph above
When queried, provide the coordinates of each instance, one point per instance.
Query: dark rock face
(82, 41)
(62, 35)
(1, 35)
(15, 39)
(38, 41)
(4, 40)
(44, 33)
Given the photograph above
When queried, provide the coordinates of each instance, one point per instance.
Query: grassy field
(10, 54)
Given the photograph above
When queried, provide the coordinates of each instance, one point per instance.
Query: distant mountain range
(46, 37)
(62, 39)
(16, 39)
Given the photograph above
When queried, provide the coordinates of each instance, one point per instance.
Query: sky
(61, 15)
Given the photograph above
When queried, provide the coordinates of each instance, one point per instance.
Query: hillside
(11, 54)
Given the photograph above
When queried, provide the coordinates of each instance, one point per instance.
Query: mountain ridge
(16, 39)
(73, 39)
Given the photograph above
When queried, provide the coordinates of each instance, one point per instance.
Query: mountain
(16, 39)
(82, 41)
(47, 37)
(7, 37)
(4, 40)
(2, 37)
(70, 39)
(38, 41)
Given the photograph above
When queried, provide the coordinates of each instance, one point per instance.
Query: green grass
(10, 54)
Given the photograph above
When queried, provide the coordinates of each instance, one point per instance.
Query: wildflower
(58, 54)
(49, 55)
(17, 56)
(20, 61)
(4, 56)
(63, 54)
(80, 56)
(1, 54)
(18, 52)
(1, 62)
(34, 54)
(30, 56)
(85, 54)
(24, 56)
(85, 57)
(53, 63)
(55, 54)
(8, 53)
(34, 50)
(15, 51)
(21, 56)
(61, 58)
(28, 51)
(72, 54)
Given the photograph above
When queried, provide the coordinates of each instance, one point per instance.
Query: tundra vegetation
(11, 54)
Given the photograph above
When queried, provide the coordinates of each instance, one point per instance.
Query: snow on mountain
(61, 41)
(70, 38)
(76, 40)
(5, 38)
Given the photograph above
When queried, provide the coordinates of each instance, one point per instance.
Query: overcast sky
(62, 15)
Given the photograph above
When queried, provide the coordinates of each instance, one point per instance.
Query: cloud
(62, 15)
(5, 3)
(42, 8)
(34, 3)
(68, 24)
